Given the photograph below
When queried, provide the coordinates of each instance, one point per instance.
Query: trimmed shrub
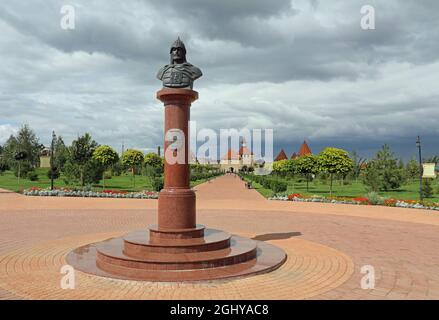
(157, 183)
(278, 186)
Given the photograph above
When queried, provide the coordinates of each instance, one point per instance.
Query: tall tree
(132, 158)
(3, 164)
(334, 161)
(371, 176)
(358, 164)
(427, 189)
(25, 141)
(153, 159)
(412, 169)
(61, 153)
(306, 165)
(285, 167)
(154, 163)
(107, 157)
(385, 168)
(29, 143)
(81, 152)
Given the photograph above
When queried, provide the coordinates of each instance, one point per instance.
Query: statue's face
(177, 55)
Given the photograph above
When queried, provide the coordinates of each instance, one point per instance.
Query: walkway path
(401, 244)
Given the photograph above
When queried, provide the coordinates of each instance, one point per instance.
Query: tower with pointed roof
(234, 160)
(304, 149)
(246, 156)
(281, 156)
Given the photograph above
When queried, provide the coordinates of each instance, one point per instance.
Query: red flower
(362, 200)
(35, 189)
(294, 195)
(115, 191)
(390, 202)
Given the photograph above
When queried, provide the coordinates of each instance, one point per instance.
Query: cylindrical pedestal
(176, 208)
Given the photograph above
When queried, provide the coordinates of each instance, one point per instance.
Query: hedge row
(204, 175)
(269, 183)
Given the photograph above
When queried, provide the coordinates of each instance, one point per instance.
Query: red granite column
(176, 207)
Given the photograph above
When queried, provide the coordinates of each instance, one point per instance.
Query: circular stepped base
(141, 244)
(147, 255)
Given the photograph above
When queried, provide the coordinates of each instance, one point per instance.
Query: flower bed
(65, 192)
(415, 204)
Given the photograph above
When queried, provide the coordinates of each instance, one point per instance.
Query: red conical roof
(304, 149)
(281, 156)
(294, 155)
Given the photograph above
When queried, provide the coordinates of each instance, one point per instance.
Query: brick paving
(327, 245)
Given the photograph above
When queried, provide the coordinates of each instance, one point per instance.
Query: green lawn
(356, 189)
(124, 182)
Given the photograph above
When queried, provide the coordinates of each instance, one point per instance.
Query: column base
(176, 209)
(155, 255)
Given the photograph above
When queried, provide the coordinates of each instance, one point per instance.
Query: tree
(61, 153)
(388, 175)
(358, 164)
(107, 157)
(132, 158)
(334, 161)
(9, 150)
(154, 164)
(154, 160)
(427, 189)
(71, 172)
(81, 152)
(29, 143)
(25, 141)
(307, 166)
(413, 169)
(285, 167)
(58, 158)
(371, 177)
(19, 157)
(3, 164)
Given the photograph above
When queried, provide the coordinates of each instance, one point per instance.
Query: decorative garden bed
(414, 204)
(65, 192)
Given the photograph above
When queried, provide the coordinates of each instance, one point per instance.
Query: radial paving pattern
(35, 273)
(327, 246)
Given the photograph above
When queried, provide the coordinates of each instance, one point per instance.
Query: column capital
(177, 96)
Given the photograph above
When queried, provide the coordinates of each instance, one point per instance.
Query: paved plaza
(327, 245)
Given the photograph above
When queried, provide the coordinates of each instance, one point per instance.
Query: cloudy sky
(304, 68)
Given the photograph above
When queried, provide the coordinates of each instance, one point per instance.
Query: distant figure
(180, 73)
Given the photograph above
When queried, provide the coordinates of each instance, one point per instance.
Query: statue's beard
(178, 60)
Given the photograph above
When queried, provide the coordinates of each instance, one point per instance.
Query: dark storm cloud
(242, 21)
(263, 38)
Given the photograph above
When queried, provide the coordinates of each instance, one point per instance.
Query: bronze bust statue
(180, 73)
